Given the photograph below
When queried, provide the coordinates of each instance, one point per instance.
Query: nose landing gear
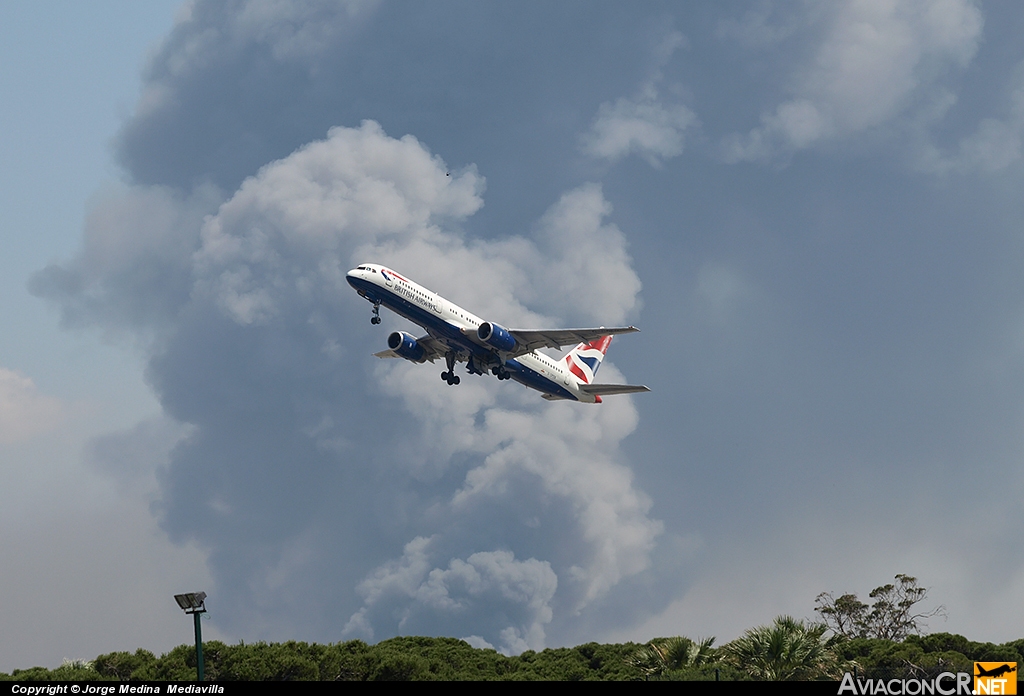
(375, 319)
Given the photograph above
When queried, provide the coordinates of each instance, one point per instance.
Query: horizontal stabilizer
(612, 389)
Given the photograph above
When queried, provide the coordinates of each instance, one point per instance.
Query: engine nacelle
(496, 336)
(406, 346)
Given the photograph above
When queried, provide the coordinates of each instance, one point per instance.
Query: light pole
(194, 603)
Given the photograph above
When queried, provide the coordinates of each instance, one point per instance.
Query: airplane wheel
(444, 376)
(456, 379)
(374, 320)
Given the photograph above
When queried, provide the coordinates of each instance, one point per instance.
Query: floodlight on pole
(191, 602)
(195, 603)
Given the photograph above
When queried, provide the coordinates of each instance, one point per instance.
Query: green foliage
(70, 670)
(397, 666)
(417, 658)
(672, 654)
(894, 615)
(885, 659)
(289, 661)
(788, 650)
(715, 671)
(981, 652)
(553, 664)
(845, 616)
(123, 665)
(180, 664)
(924, 656)
(607, 662)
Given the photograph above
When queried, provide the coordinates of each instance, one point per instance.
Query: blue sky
(811, 212)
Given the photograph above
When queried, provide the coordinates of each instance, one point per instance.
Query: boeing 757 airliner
(458, 336)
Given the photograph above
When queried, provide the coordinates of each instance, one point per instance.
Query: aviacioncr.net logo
(995, 678)
(946, 684)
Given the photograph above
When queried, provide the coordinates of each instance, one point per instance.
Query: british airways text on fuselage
(485, 346)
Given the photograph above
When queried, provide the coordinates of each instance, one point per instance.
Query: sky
(810, 210)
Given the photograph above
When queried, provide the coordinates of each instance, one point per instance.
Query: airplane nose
(351, 277)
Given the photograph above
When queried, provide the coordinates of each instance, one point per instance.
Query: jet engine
(406, 346)
(496, 336)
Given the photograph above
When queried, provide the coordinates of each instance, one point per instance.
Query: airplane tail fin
(585, 359)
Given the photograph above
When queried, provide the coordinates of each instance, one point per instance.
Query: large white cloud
(282, 243)
(874, 61)
(263, 348)
(292, 227)
(507, 598)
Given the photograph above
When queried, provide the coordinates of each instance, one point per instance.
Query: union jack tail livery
(584, 359)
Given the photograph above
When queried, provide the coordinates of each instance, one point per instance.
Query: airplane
(995, 671)
(459, 336)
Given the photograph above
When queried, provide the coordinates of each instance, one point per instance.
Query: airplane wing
(612, 389)
(432, 348)
(530, 340)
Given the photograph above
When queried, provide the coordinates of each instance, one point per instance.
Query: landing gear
(375, 319)
(500, 372)
(449, 375)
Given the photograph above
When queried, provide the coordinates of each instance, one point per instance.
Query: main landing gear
(375, 319)
(500, 372)
(449, 376)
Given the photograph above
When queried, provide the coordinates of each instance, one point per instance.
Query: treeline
(414, 658)
(401, 659)
(880, 640)
(925, 656)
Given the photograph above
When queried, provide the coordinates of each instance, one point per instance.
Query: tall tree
(894, 615)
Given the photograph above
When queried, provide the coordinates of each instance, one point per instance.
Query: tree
(125, 665)
(788, 650)
(845, 616)
(893, 616)
(667, 654)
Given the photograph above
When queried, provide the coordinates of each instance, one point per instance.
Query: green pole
(199, 646)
